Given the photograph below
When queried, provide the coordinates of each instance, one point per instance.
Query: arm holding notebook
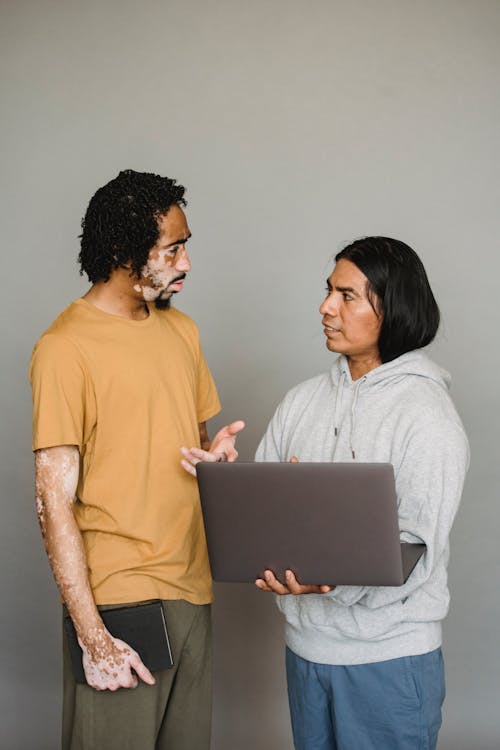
(107, 661)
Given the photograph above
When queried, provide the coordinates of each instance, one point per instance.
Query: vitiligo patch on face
(148, 293)
(156, 275)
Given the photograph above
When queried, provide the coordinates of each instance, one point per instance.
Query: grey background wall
(296, 127)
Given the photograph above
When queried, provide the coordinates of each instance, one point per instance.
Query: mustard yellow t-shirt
(129, 393)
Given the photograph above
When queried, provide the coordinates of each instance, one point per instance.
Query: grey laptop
(331, 523)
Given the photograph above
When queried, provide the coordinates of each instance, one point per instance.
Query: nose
(329, 305)
(182, 261)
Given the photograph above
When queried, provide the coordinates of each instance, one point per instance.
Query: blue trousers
(388, 705)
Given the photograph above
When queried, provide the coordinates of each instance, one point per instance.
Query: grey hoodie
(399, 413)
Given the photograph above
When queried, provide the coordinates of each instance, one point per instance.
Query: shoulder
(308, 387)
(305, 394)
(431, 417)
(61, 335)
(179, 320)
(414, 385)
(67, 325)
(428, 401)
(56, 356)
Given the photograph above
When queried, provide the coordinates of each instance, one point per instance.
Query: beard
(162, 303)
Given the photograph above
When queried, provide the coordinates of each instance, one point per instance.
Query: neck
(117, 297)
(359, 366)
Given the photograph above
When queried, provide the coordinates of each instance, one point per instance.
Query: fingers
(292, 583)
(271, 583)
(228, 432)
(291, 586)
(103, 676)
(235, 427)
(192, 456)
(126, 679)
(187, 466)
(294, 460)
(142, 671)
(124, 682)
(262, 585)
(300, 588)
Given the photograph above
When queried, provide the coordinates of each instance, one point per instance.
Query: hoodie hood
(414, 363)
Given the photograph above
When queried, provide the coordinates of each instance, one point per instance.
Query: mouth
(328, 329)
(177, 284)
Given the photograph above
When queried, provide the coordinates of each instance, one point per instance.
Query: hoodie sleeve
(429, 483)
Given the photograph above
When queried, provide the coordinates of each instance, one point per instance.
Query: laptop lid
(331, 523)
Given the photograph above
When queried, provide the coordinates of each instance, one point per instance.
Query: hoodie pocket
(355, 622)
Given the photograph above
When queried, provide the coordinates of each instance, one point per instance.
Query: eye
(347, 297)
(328, 291)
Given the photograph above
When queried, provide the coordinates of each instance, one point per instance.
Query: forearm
(107, 661)
(55, 491)
(204, 438)
(66, 553)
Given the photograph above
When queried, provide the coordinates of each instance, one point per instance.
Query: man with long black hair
(364, 663)
(119, 385)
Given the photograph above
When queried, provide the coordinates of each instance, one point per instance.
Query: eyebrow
(342, 288)
(180, 241)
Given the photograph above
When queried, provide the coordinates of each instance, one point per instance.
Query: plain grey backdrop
(296, 127)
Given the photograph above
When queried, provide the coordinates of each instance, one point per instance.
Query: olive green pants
(173, 714)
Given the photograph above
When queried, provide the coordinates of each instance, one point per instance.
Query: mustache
(178, 278)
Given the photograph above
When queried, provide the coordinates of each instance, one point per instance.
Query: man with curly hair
(119, 385)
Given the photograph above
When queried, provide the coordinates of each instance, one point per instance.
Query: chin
(162, 303)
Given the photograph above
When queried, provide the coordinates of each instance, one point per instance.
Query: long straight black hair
(398, 290)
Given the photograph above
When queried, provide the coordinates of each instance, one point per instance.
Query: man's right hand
(108, 663)
(222, 448)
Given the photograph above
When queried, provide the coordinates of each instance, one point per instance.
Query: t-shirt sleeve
(208, 403)
(60, 394)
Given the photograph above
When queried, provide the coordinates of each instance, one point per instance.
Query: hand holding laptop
(291, 585)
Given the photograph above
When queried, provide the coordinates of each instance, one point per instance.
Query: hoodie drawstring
(353, 415)
(338, 403)
(338, 407)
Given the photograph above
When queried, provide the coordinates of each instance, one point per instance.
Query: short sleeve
(63, 402)
(208, 403)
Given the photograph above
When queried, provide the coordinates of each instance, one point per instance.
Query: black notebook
(142, 627)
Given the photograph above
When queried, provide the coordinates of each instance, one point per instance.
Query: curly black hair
(120, 225)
